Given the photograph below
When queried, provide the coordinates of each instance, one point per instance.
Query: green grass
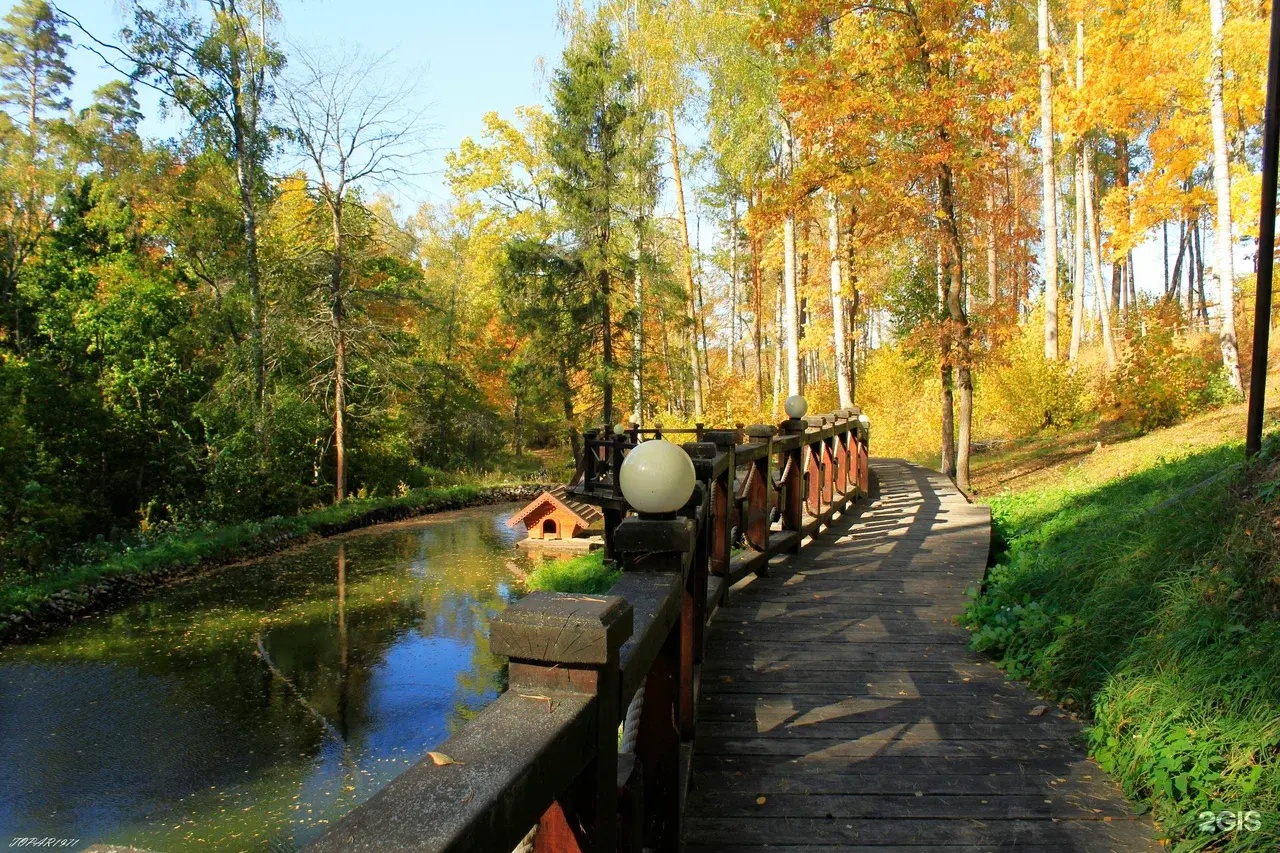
(1157, 619)
(218, 545)
(587, 573)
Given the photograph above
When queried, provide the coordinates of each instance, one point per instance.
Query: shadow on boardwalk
(841, 708)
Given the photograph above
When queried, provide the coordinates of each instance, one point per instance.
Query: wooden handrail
(546, 751)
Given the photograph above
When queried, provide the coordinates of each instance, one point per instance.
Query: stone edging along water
(112, 591)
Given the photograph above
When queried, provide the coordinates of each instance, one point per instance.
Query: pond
(251, 708)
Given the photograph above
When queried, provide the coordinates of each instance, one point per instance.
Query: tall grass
(1151, 602)
(586, 573)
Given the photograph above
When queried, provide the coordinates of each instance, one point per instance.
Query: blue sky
(470, 57)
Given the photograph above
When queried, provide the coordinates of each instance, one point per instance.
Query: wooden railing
(547, 752)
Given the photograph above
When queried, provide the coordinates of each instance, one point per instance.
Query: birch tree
(1048, 183)
(1223, 270)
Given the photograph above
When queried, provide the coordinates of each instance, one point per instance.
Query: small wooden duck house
(553, 515)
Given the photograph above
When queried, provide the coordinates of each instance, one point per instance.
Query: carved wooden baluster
(813, 466)
(759, 490)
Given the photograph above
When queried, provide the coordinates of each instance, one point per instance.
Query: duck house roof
(559, 497)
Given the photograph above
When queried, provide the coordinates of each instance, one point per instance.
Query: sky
(464, 58)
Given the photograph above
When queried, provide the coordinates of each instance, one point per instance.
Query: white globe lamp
(656, 477)
(864, 420)
(634, 419)
(796, 406)
(619, 429)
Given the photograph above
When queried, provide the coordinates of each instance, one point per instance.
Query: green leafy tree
(217, 67)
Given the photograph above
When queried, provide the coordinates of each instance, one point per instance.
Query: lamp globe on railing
(796, 406)
(619, 429)
(864, 420)
(657, 477)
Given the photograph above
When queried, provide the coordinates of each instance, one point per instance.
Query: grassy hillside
(1140, 585)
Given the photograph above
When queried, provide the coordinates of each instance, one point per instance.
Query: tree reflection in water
(160, 726)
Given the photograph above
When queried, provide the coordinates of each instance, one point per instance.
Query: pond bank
(48, 604)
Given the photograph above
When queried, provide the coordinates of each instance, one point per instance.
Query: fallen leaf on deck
(440, 759)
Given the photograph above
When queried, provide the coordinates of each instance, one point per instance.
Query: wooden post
(665, 545)
(569, 643)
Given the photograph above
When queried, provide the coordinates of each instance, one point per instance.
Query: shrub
(1025, 392)
(1162, 378)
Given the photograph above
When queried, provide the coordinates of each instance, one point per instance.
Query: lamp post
(1266, 245)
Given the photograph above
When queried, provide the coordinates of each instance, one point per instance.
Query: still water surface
(249, 709)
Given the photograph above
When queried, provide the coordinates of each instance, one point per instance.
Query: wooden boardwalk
(842, 710)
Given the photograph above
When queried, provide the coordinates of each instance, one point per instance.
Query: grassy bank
(1141, 587)
(30, 603)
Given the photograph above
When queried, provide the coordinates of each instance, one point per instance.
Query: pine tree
(33, 66)
(34, 78)
(590, 144)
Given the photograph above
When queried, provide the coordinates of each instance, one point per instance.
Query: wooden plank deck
(842, 692)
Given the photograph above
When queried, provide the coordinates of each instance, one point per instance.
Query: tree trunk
(566, 402)
(1164, 231)
(1122, 184)
(790, 311)
(991, 242)
(1174, 288)
(694, 361)
(958, 322)
(837, 304)
(1095, 255)
(339, 353)
(637, 336)
(733, 285)
(778, 345)
(1223, 268)
(602, 278)
(1078, 286)
(948, 416)
(249, 221)
(1049, 185)
(757, 286)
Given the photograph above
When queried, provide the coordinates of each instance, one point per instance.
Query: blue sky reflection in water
(160, 726)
